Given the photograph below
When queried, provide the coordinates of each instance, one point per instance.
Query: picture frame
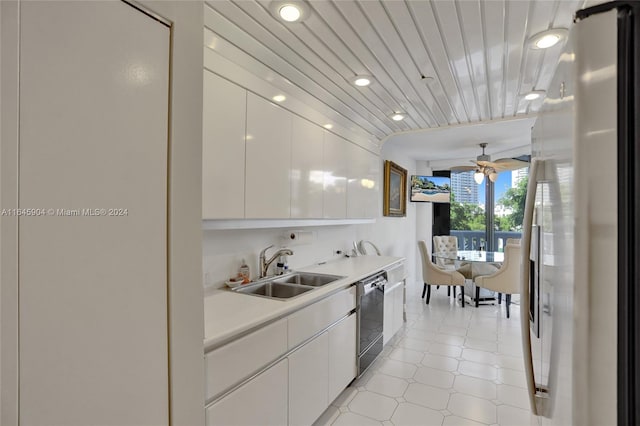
(395, 190)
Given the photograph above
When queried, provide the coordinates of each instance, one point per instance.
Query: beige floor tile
(475, 387)
(472, 408)
(448, 339)
(481, 371)
(513, 416)
(427, 396)
(387, 385)
(514, 396)
(414, 415)
(444, 350)
(481, 345)
(406, 355)
(372, 405)
(434, 377)
(401, 370)
(511, 362)
(453, 330)
(512, 377)
(414, 344)
(482, 357)
(353, 419)
(440, 362)
(459, 421)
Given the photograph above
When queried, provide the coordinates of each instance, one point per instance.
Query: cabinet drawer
(231, 363)
(262, 401)
(396, 273)
(311, 320)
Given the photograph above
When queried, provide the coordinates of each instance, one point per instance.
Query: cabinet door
(372, 199)
(398, 308)
(342, 355)
(308, 381)
(335, 176)
(387, 322)
(223, 146)
(357, 181)
(262, 401)
(268, 160)
(93, 290)
(307, 177)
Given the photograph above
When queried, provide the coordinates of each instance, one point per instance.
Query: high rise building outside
(465, 189)
(518, 175)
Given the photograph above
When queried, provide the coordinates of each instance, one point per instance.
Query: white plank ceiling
(477, 52)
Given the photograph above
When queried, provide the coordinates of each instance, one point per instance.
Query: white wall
(223, 250)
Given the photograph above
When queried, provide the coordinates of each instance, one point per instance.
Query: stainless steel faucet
(264, 264)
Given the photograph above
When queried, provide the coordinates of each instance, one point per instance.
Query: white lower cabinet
(296, 390)
(393, 311)
(262, 401)
(342, 355)
(308, 381)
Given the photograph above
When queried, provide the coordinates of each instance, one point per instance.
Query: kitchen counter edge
(229, 315)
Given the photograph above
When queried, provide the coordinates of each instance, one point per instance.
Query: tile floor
(447, 366)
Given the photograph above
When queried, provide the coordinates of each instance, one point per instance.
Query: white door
(93, 270)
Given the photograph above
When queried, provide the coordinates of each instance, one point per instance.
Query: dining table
(480, 262)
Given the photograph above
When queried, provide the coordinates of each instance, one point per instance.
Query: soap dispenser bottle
(244, 272)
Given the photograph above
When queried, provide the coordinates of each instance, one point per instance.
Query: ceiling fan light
(478, 176)
(493, 176)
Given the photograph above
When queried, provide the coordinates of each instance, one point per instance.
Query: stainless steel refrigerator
(581, 233)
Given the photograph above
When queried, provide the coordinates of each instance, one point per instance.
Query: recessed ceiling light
(534, 94)
(279, 98)
(362, 80)
(548, 38)
(328, 126)
(289, 13)
(289, 10)
(398, 116)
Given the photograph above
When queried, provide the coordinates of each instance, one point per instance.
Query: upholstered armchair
(433, 275)
(506, 279)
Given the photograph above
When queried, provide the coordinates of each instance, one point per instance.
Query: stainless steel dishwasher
(370, 310)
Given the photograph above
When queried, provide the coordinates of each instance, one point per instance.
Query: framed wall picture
(395, 190)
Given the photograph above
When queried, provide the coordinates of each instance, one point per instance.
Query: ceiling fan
(485, 167)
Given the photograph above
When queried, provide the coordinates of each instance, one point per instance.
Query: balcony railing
(470, 240)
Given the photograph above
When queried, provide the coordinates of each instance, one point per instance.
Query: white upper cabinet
(268, 160)
(223, 148)
(307, 177)
(363, 182)
(335, 176)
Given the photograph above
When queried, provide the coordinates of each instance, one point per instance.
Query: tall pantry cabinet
(95, 160)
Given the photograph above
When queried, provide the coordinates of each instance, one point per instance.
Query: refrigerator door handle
(537, 166)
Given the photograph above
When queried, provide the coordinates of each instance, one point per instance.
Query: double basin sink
(287, 286)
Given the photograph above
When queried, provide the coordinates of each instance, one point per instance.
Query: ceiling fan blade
(484, 163)
(510, 164)
(462, 168)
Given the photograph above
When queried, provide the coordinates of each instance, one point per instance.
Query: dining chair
(504, 280)
(433, 275)
(445, 245)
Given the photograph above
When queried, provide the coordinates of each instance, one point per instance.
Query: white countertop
(228, 314)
